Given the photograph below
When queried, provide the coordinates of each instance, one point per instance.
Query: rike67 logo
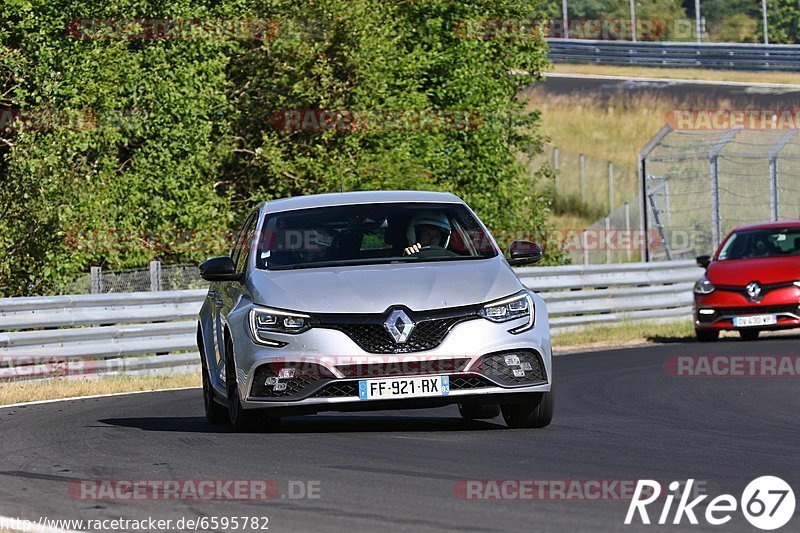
(767, 503)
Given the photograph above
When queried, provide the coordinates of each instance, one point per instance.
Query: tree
(172, 140)
(383, 58)
(124, 145)
(784, 21)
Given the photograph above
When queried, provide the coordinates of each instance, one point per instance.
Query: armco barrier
(584, 295)
(121, 333)
(673, 54)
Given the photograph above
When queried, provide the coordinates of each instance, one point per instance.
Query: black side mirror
(703, 260)
(219, 269)
(524, 253)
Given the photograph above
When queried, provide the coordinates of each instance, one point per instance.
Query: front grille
(495, 367)
(403, 368)
(469, 382)
(764, 289)
(307, 377)
(750, 310)
(370, 334)
(338, 390)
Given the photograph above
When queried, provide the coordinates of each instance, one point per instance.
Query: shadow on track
(315, 424)
(765, 337)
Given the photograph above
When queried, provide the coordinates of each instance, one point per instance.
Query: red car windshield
(774, 242)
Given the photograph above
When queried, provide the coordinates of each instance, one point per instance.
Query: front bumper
(326, 366)
(718, 309)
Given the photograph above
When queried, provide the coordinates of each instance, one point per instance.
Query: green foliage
(739, 28)
(660, 15)
(784, 21)
(145, 164)
(176, 137)
(383, 57)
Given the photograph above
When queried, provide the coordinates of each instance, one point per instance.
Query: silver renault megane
(372, 301)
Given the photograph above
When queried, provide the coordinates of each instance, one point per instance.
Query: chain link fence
(156, 277)
(699, 185)
(590, 188)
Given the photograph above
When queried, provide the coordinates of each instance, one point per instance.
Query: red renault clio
(751, 284)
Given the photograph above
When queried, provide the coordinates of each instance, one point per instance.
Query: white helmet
(429, 218)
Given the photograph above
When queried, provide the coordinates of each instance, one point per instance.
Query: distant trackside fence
(677, 54)
(145, 333)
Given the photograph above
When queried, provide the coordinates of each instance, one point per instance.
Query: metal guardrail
(109, 334)
(672, 54)
(99, 334)
(585, 295)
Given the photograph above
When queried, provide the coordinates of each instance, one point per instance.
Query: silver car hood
(374, 288)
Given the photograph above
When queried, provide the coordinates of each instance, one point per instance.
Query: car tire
(215, 412)
(242, 420)
(478, 411)
(537, 412)
(707, 335)
(749, 334)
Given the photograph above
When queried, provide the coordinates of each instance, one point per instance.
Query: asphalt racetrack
(740, 95)
(619, 416)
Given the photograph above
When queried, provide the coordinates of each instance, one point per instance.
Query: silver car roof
(360, 197)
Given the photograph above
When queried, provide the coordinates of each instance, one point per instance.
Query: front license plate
(756, 320)
(416, 387)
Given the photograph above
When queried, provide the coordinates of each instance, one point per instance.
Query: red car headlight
(703, 286)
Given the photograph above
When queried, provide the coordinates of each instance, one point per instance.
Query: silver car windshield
(762, 243)
(371, 234)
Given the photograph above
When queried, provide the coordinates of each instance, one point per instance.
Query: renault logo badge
(399, 326)
(753, 290)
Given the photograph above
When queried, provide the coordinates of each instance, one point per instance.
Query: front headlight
(703, 286)
(264, 320)
(517, 306)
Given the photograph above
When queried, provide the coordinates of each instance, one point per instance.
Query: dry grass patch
(51, 389)
(789, 78)
(623, 334)
(612, 129)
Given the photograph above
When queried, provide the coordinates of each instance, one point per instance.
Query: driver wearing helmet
(317, 246)
(429, 229)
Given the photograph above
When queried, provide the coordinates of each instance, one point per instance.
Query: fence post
(716, 222)
(582, 162)
(610, 186)
(97, 280)
(628, 238)
(607, 224)
(155, 276)
(774, 192)
(773, 188)
(555, 169)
